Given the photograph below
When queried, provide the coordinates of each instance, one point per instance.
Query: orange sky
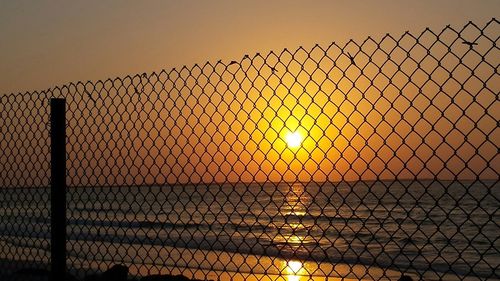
(48, 43)
(230, 123)
(220, 123)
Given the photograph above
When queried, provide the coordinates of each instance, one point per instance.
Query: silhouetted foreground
(115, 273)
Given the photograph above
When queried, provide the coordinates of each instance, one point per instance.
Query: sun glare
(295, 271)
(293, 139)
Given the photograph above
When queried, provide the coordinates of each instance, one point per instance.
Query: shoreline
(292, 270)
(212, 265)
(193, 263)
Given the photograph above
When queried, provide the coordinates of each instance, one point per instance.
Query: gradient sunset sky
(311, 117)
(48, 43)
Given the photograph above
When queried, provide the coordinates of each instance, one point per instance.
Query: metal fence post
(58, 189)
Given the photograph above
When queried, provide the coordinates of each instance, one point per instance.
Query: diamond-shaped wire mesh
(364, 161)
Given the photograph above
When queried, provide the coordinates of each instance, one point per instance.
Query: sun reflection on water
(294, 270)
(294, 208)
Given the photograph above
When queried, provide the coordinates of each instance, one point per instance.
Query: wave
(263, 244)
(396, 235)
(239, 222)
(250, 248)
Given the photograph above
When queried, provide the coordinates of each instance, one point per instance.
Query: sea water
(429, 228)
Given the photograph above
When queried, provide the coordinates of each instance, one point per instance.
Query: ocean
(366, 229)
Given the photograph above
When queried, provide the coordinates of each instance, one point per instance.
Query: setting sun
(293, 139)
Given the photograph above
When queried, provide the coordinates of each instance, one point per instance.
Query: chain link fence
(360, 161)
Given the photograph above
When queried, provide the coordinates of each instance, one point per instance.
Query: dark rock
(70, 277)
(92, 277)
(117, 272)
(405, 278)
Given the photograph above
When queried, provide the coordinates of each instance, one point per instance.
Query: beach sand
(199, 264)
(233, 266)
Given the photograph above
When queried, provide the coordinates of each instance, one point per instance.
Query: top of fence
(466, 35)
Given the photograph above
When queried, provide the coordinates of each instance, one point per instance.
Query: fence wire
(364, 160)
